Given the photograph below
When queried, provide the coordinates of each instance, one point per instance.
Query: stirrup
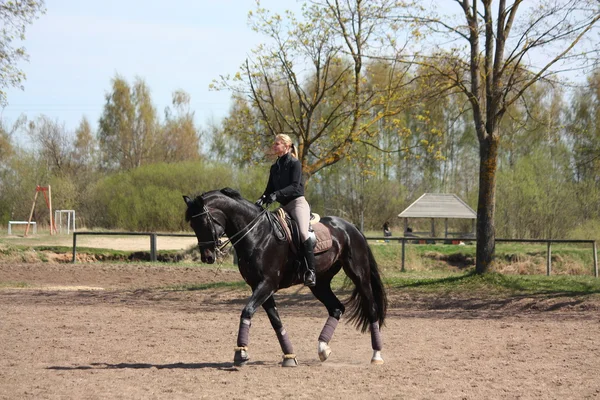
(310, 279)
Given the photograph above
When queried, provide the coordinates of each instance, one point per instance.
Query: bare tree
(54, 142)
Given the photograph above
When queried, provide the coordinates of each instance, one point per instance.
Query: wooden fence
(153, 248)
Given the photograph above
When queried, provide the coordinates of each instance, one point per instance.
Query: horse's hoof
(376, 360)
(289, 360)
(240, 358)
(324, 351)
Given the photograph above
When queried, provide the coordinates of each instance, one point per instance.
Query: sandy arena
(106, 331)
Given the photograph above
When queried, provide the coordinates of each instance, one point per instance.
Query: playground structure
(47, 191)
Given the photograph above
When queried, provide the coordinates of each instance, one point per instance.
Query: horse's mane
(234, 194)
(198, 200)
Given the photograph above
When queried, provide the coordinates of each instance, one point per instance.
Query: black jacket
(285, 179)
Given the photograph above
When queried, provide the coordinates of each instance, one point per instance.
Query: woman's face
(280, 148)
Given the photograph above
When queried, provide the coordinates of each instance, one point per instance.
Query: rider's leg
(300, 212)
(309, 277)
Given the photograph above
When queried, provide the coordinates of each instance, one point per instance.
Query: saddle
(291, 233)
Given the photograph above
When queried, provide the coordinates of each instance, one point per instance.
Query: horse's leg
(376, 343)
(289, 358)
(259, 295)
(365, 296)
(335, 309)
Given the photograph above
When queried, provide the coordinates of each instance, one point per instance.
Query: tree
(128, 126)
(6, 133)
(179, 139)
(15, 16)
(583, 129)
(309, 81)
(85, 146)
(507, 49)
(54, 142)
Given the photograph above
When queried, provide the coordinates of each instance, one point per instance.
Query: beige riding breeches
(299, 210)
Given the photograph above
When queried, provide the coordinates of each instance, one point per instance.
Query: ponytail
(294, 151)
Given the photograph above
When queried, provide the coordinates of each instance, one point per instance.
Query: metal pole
(595, 261)
(74, 246)
(549, 259)
(403, 252)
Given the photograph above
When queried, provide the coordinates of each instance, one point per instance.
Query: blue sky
(77, 47)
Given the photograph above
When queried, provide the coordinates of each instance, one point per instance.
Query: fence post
(595, 261)
(403, 252)
(153, 247)
(74, 247)
(549, 259)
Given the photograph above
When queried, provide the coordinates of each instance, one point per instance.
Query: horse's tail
(359, 304)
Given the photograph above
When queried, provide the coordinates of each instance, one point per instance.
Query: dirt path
(100, 331)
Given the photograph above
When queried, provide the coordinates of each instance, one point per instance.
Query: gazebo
(439, 206)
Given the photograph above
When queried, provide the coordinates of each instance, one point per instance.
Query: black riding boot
(309, 276)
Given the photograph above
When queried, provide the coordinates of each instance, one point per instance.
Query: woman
(285, 186)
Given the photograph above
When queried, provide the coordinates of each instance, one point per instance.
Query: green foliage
(149, 198)
(535, 198)
(15, 16)
(587, 230)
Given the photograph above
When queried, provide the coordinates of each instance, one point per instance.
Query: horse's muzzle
(207, 256)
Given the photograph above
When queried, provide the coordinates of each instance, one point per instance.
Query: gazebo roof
(438, 205)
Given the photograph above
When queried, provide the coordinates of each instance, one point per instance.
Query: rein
(217, 242)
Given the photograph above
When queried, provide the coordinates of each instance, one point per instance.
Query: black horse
(267, 264)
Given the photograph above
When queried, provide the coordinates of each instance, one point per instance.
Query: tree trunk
(486, 206)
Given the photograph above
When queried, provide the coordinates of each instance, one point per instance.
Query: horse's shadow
(225, 366)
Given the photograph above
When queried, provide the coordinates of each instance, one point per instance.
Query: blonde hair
(288, 142)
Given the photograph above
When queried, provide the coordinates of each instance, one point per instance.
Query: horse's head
(207, 229)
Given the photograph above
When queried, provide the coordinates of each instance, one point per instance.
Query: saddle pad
(324, 241)
(322, 233)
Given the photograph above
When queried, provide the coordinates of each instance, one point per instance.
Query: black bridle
(218, 245)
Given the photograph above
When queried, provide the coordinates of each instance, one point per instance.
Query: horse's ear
(187, 200)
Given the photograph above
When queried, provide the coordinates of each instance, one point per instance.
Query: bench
(11, 223)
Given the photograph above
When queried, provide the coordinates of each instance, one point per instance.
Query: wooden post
(446, 227)
(74, 247)
(153, 247)
(52, 227)
(549, 259)
(403, 252)
(31, 213)
(595, 261)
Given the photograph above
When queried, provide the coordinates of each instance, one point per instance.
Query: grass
(13, 285)
(206, 286)
(519, 268)
(469, 283)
